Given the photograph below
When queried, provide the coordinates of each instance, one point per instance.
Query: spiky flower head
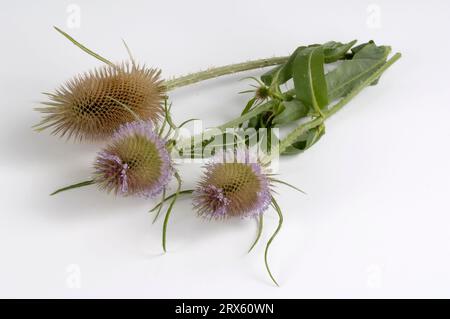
(235, 183)
(136, 162)
(91, 105)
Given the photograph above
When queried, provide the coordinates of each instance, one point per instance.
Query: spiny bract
(91, 105)
(136, 162)
(234, 184)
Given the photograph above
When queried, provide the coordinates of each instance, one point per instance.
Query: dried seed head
(87, 107)
(234, 184)
(135, 163)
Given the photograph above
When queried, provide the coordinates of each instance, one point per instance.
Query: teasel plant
(298, 91)
(236, 183)
(87, 107)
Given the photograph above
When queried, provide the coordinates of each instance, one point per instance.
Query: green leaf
(249, 105)
(352, 72)
(267, 77)
(253, 122)
(285, 70)
(309, 78)
(361, 46)
(300, 130)
(293, 110)
(305, 140)
(334, 51)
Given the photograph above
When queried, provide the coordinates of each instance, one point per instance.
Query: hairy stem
(247, 116)
(222, 70)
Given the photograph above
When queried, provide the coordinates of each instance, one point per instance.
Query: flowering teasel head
(235, 184)
(91, 105)
(136, 162)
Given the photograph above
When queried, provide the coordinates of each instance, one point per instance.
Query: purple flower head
(234, 184)
(136, 162)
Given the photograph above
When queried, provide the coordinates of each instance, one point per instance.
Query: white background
(376, 219)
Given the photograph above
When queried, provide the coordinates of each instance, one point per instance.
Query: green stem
(366, 83)
(223, 70)
(250, 114)
(294, 134)
(77, 185)
(247, 116)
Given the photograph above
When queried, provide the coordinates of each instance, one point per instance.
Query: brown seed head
(87, 106)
